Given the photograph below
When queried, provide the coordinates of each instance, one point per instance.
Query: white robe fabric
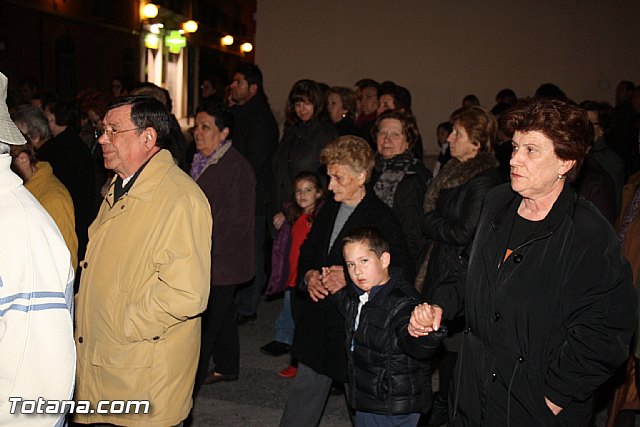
(37, 352)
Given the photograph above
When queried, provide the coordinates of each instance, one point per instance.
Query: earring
(559, 176)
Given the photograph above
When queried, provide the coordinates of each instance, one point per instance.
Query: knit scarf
(391, 173)
(455, 173)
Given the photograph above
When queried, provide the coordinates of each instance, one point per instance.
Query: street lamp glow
(190, 26)
(155, 28)
(227, 40)
(246, 47)
(150, 10)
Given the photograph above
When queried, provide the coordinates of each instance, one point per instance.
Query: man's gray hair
(34, 119)
(4, 148)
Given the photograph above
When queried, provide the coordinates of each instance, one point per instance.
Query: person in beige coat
(145, 278)
(39, 179)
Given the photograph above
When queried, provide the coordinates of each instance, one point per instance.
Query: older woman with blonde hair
(548, 298)
(319, 341)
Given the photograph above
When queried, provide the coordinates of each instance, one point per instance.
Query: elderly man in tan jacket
(145, 277)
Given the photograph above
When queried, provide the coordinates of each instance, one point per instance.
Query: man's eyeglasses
(110, 133)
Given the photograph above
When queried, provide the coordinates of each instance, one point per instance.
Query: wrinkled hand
(278, 220)
(315, 287)
(333, 278)
(553, 407)
(425, 318)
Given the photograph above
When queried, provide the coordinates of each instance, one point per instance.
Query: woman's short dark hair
(221, 114)
(562, 121)
(347, 97)
(408, 121)
(304, 90)
(351, 151)
(479, 124)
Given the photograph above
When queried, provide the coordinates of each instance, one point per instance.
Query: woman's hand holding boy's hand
(425, 318)
(333, 278)
(321, 284)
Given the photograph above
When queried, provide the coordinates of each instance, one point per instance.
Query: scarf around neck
(200, 161)
(392, 171)
(455, 173)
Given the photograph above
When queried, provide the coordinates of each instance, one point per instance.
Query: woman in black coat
(399, 179)
(452, 209)
(305, 135)
(549, 304)
(319, 341)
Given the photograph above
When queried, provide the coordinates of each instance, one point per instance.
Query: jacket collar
(149, 179)
(220, 152)
(378, 294)
(563, 207)
(212, 160)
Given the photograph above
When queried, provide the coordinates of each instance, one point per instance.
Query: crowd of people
(509, 264)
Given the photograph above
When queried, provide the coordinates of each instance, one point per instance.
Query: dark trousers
(249, 294)
(219, 335)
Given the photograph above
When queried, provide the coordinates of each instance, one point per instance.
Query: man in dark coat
(256, 138)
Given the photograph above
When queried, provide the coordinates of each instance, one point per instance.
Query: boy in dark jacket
(389, 376)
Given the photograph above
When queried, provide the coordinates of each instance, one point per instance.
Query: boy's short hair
(369, 235)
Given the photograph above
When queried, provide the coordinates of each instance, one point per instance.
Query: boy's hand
(316, 289)
(333, 278)
(425, 318)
